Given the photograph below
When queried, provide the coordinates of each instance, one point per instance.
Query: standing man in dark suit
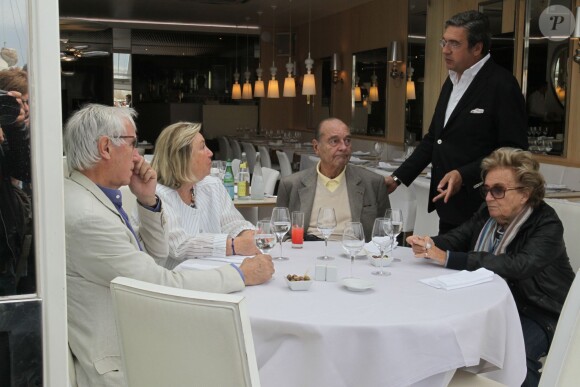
(480, 109)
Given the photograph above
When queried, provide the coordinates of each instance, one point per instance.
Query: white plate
(360, 153)
(357, 284)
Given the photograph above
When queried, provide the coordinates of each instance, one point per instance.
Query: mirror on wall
(501, 15)
(326, 89)
(545, 64)
(369, 96)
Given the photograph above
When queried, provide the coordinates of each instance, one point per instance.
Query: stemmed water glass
(382, 237)
(281, 223)
(396, 217)
(353, 240)
(326, 223)
(264, 236)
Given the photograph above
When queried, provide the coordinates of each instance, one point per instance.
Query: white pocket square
(477, 111)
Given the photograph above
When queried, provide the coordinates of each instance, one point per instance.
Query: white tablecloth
(400, 333)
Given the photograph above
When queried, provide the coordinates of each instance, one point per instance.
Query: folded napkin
(361, 153)
(459, 280)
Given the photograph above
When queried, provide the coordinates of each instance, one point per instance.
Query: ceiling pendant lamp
(357, 90)
(259, 90)
(374, 90)
(247, 89)
(236, 88)
(273, 88)
(289, 82)
(309, 84)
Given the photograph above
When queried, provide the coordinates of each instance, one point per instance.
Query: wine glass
(281, 223)
(326, 223)
(396, 217)
(353, 240)
(382, 237)
(264, 236)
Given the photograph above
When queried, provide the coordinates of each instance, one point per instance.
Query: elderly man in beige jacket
(101, 243)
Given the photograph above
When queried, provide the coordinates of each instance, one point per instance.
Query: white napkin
(459, 280)
(361, 153)
(384, 165)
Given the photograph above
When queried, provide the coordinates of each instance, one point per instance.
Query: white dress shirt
(460, 85)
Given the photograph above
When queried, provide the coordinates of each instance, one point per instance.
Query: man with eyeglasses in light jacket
(480, 109)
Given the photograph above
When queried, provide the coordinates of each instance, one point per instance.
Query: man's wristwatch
(396, 179)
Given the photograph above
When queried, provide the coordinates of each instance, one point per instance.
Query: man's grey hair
(477, 26)
(86, 126)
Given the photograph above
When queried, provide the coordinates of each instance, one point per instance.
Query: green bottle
(229, 179)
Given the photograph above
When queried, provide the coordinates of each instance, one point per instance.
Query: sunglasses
(497, 191)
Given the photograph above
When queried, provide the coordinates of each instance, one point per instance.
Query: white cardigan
(201, 231)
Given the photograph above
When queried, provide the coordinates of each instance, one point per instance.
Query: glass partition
(544, 79)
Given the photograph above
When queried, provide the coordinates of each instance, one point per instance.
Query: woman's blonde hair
(172, 156)
(525, 167)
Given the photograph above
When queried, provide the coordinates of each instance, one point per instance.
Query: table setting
(346, 326)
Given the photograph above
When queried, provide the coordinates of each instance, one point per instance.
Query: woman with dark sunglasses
(518, 236)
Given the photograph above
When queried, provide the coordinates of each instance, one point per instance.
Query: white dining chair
(561, 367)
(569, 213)
(226, 152)
(250, 154)
(270, 177)
(285, 166)
(236, 148)
(265, 158)
(236, 167)
(193, 338)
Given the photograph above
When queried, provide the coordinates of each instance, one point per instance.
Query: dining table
(398, 332)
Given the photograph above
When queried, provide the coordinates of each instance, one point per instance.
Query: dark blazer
(535, 265)
(491, 114)
(367, 195)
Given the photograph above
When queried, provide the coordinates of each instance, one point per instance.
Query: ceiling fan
(72, 53)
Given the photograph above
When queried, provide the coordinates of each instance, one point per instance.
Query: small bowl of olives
(298, 282)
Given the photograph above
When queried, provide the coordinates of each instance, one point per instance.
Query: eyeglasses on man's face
(452, 44)
(497, 191)
(133, 143)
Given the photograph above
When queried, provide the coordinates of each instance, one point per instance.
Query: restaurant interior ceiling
(181, 27)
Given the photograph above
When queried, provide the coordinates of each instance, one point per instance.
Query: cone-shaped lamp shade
(273, 89)
(357, 94)
(411, 90)
(236, 91)
(259, 90)
(309, 85)
(374, 94)
(247, 91)
(289, 87)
